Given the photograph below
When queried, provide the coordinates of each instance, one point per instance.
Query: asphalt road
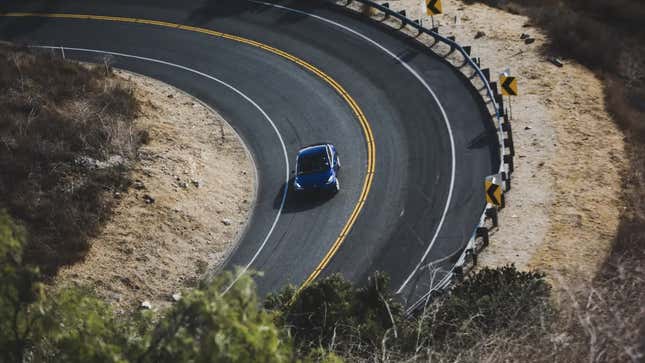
(418, 185)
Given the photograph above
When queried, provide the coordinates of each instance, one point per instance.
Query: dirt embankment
(564, 209)
(192, 190)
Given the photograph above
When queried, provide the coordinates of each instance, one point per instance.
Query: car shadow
(299, 201)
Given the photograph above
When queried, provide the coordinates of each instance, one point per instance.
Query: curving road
(295, 74)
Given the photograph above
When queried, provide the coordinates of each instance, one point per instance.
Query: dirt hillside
(192, 192)
(564, 208)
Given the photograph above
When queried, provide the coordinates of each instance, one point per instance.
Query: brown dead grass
(67, 138)
(595, 219)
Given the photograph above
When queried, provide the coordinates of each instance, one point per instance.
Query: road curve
(272, 100)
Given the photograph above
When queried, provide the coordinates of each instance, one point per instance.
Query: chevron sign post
(509, 85)
(493, 190)
(509, 88)
(433, 7)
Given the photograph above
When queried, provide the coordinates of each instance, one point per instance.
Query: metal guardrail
(479, 238)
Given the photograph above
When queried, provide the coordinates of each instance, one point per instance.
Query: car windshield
(313, 163)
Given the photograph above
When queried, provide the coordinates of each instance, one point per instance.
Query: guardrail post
(508, 159)
(491, 213)
(499, 99)
(482, 232)
(506, 126)
(493, 87)
(507, 181)
(419, 22)
(508, 143)
(473, 255)
(486, 73)
(459, 273)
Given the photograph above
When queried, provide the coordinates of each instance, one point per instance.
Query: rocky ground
(193, 189)
(564, 208)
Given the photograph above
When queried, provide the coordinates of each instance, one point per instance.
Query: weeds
(66, 139)
(605, 321)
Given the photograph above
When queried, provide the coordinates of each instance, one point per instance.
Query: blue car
(316, 169)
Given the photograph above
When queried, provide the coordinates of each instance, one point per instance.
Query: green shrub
(70, 324)
(333, 314)
(492, 301)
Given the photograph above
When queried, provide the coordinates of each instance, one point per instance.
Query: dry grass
(604, 321)
(66, 140)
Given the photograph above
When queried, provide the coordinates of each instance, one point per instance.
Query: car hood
(314, 178)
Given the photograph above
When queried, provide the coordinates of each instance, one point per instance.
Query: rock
(226, 222)
(480, 34)
(176, 296)
(171, 96)
(557, 62)
(524, 36)
(145, 304)
(138, 185)
(195, 183)
(527, 128)
(117, 195)
(183, 185)
(529, 41)
(148, 199)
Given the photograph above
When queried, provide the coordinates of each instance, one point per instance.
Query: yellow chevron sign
(433, 7)
(508, 85)
(493, 191)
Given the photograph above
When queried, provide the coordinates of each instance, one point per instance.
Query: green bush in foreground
(325, 322)
(332, 314)
(489, 302)
(72, 325)
(368, 324)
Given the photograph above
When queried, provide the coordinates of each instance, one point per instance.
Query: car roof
(312, 149)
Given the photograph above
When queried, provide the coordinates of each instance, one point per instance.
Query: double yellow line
(367, 131)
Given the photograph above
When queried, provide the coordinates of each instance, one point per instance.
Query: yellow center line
(367, 131)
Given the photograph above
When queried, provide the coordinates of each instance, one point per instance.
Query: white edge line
(425, 84)
(241, 94)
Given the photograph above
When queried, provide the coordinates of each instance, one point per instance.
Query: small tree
(208, 326)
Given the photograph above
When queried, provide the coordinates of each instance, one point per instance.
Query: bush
(334, 315)
(491, 301)
(70, 324)
(367, 324)
(207, 326)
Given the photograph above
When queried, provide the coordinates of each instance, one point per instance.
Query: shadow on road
(13, 29)
(299, 201)
(221, 9)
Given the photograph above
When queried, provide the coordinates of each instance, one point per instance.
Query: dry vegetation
(604, 321)
(67, 138)
(202, 180)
